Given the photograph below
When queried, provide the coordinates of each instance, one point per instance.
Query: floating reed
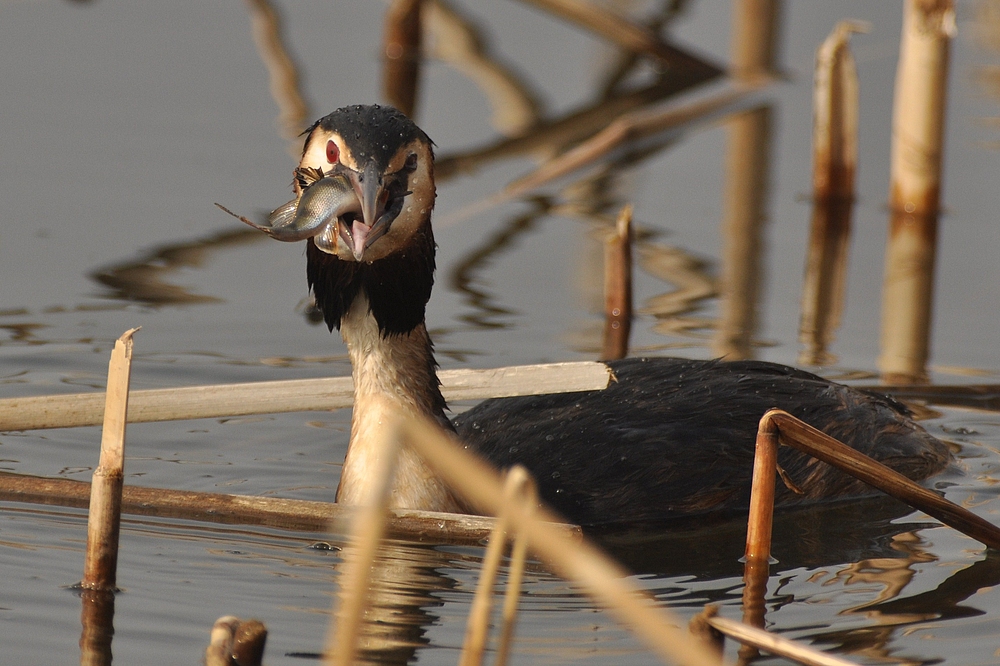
(401, 53)
(300, 515)
(618, 287)
(835, 156)
(298, 395)
(915, 188)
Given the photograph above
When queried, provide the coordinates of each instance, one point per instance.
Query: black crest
(397, 286)
(372, 132)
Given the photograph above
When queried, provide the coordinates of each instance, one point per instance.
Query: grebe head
(385, 253)
(390, 163)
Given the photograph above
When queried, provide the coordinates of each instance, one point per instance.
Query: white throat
(396, 371)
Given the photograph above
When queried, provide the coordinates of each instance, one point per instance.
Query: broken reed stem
(765, 462)
(297, 395)
(104, 518)
(367, 529)
(401, 53)
(477, 628)
(599, 576)
(774, 644)
(835, 148)
(618, 287)
(802, 436)
(915, 188)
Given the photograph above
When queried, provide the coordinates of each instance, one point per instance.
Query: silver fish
(314, 213)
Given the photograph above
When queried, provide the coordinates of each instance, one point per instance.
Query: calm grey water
(122, 123)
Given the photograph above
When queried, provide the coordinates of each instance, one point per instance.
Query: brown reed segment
(367, 528)
(618, 287)
(401, 54)
(296, 395)
(835, 148)
(104, 518)
(282, 71)
(765, 463)
(97, 616)
(802, 436)
(915, 188)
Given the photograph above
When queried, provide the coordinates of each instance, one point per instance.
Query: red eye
(332, 152)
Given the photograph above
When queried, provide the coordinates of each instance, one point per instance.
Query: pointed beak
(372, 194)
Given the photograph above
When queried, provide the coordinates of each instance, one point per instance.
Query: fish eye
(332, 152)
(411, 162)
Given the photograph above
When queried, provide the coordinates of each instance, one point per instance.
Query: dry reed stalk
(104, 518)
(300, 515)
(528, 496)
(618, 287)
(835, 149)
(626, 34)
(367, 529)
(915, 188)
(748, 163)
(97, 618)
(401, 53)
(515, 483)
(802, 436)
(598, 575)
(774, 644)
(283, 74)
(297, 395)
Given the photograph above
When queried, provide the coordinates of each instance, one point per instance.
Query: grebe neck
(391, 371)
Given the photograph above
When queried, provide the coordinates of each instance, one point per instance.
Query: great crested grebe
(671, 437)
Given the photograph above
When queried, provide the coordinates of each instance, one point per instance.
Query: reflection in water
(463, 277)
(145, 279)
(405, 580)
(748, 178)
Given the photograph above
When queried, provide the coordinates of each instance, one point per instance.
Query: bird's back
(675, 437)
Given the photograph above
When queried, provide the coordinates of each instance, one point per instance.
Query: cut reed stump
(618, 287)
(835, 157)
(104, 519)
